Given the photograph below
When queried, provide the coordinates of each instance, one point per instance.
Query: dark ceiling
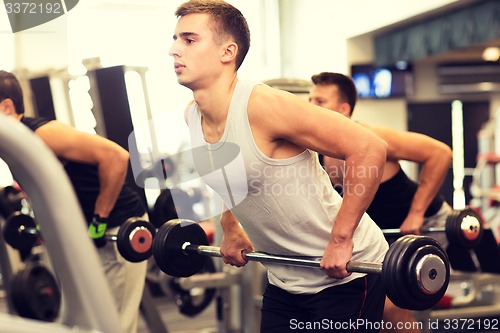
(423, 32)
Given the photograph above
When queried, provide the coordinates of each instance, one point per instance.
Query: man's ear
(229, 53)
(7, 107)
(345, 109)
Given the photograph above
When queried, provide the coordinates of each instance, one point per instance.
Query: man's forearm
(111, 177)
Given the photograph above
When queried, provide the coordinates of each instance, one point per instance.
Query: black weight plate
(390, 270)
(158, 246)
(407, 299)
(35, 293)
(427, 299)
(168, 252)
(393, 273)
(13, 234)
(452, 228)
(135, 240)
(386, 267)
(407, 296)
(193, 302)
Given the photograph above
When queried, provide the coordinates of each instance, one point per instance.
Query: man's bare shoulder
(55, 126)
(264, 98)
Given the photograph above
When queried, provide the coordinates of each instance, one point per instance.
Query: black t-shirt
(85, 180)
(393, 199)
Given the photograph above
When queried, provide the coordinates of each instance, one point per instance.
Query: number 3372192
(34, 8)
(471, 324)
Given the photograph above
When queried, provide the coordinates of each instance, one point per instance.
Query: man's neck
(214, 102)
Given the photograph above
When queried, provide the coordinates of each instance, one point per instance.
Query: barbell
(462, 227)
(134, 238)
(415, 270)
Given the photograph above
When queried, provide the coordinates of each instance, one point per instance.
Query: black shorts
(356, 306)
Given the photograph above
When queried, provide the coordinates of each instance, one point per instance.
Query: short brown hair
(344, 83)
(11, 88)
(227, 22)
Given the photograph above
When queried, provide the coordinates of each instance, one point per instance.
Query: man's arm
(335, 170)
(283, 116)
(111, 159)
(434, 157)
(234, 241)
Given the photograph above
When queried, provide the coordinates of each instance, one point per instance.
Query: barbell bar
(262, 257)
(415, 270)
(134, 238)
(463, 227)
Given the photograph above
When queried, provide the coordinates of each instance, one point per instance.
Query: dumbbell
(463, 227)
(415, 270)
(134, 238)
(20, 231)
(10, 200)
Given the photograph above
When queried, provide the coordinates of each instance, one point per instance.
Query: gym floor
(173, 321)
(205, 322)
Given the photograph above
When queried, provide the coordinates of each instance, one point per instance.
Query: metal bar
(391, 232)
(214, 251)
(396, 232)
(34, 231)
(434, 229)
(364, 267)
(111, 238)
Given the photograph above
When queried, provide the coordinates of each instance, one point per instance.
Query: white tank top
(286, 206)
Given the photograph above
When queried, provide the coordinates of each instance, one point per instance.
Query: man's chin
(184, 83)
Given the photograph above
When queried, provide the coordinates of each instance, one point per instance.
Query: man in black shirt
(399, 203)
(97, 168)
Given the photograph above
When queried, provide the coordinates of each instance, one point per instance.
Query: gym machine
(89, 305)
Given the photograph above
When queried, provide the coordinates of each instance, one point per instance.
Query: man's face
(196, 55)
(326, 96)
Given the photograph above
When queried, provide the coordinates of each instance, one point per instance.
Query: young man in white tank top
(255, 146)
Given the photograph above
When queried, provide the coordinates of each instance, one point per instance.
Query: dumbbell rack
(89, 305)
(475, 296)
